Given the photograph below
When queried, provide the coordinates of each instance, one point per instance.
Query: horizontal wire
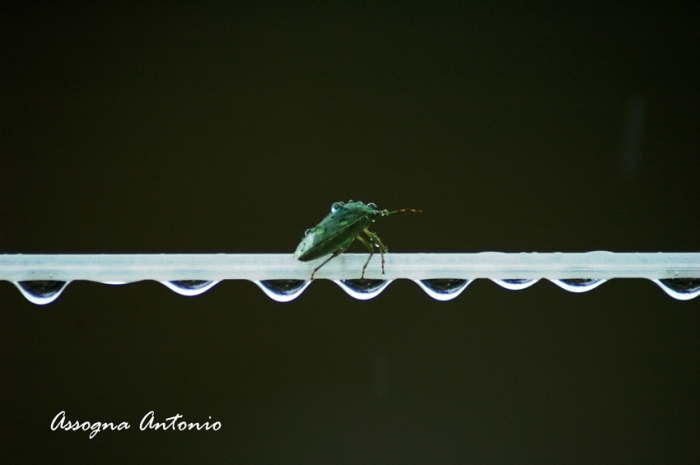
(124, 268)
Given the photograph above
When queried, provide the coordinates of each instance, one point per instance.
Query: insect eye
(337, 206)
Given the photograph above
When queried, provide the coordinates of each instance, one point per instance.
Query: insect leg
(371, 252)
(375, 240)
(335, 254)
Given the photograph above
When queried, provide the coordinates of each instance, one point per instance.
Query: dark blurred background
(228, 127)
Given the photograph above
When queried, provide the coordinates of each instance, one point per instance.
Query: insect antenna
(412, 210)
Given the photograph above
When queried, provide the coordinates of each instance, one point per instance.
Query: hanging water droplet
(578, 285)
(363, 289)
(515, 284)
(190, 287)
(443, 289)
(283, 290)
(372, 205)
(337, 206)
(41, 292)
(680, 288)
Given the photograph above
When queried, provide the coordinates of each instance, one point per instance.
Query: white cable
(125, 268)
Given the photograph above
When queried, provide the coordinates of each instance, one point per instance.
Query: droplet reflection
(283, 290)
(41, 292)
(578, 285)
(515, 284)
(190, 287)
(443, 289)
(337, 206)
(363, 289)
(680, 288)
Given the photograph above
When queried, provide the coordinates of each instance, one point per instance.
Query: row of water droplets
(285, 290)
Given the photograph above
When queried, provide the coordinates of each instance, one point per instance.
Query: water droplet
(680, 288)
(372, 205)
(515, 284)
(443, 289)
(363, 289)
(190, 287)
(319, 229)
(343, 221)
(308, 231)
(283, 290)
(337, 206)
(41, 292)
(578, 285)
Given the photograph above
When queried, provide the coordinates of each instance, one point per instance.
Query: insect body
(333, 235)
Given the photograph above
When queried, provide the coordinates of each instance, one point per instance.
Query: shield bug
(333, 235)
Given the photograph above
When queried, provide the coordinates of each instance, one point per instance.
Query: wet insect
(333, 235)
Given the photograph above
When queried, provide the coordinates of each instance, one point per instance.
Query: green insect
(338, 230)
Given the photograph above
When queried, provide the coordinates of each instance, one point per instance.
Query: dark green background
(188, 127)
